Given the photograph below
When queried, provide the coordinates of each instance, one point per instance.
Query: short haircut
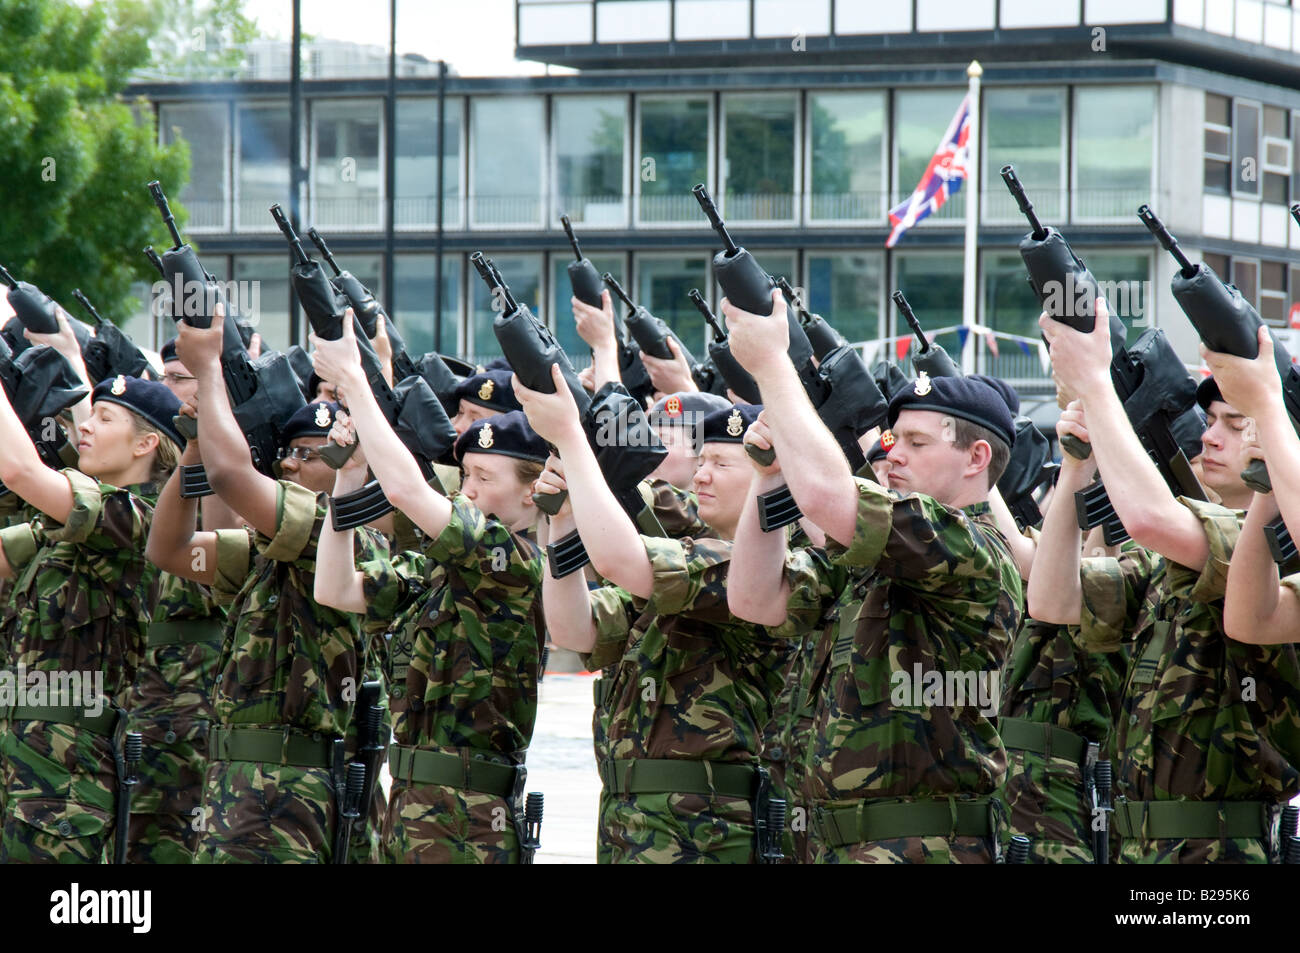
(965, 433)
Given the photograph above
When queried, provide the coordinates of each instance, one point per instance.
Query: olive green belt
(1180, 820)
(101, 724)
(290, 746)
(185, 630)
(470, 772)
(1041, 738)
(672, 776)
(883, 820)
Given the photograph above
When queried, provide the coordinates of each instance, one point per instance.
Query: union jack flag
(943, 176)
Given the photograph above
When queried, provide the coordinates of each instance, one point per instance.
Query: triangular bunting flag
(991, 342)
(1024, 345)
(902, 346)
(962, 335)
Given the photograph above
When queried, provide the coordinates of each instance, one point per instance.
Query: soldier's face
(722, 485)
(468, 414)
(1224, 444)
(881, 469)
(491, 482)
(313, 474)
(678, 468)
(179, 381)
(107, 442)
(925, 458)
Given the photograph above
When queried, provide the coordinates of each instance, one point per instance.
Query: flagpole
(969, 290)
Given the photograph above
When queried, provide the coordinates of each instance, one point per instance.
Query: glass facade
(523, 273)
(412, 301)
(672, 157)
(845, 289)
(589, 133)
(263, 284)
(262, 175)
(846, 156)
(507, 137)
(1026, 128)
(347, 177)
(206, 127)
(662, 283)
(758, 157)
(415, 179)
(1114, 136)
(932, 283)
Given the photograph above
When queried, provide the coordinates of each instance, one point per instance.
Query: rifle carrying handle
(186, 426)
(336, 456)
(764, 458)
(550, 503)
(1256, 477)
(1079, 449)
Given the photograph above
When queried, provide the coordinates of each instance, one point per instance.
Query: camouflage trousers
(1047, 803)
(261, 813)
(1232, 850)
(438, 824)
(61, 793)
(600, 743)
(165, 805)
(677, 829)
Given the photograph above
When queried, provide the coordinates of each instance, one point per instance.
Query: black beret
(877, 452)
(1207, 392)
(168, 351)
(506, 434)
(1009, 393)
(490, 389)
(963, 397)
(686, 407)
(314, 420)
(729, 425)
(151, 400)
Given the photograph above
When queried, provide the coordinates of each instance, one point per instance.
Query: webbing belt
(185, 631)
(884, 820)
(101, 724)
(672, 776)
(1041, 738)
(288, 746)
(1179, 820)
(472, 773)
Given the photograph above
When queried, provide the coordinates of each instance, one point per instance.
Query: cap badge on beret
(735, 424)
(673, 407)
(322, 416)
(119, 386)
(485, 392)
(479, 368)
(485, 438)
(887, 439)
(922, 384)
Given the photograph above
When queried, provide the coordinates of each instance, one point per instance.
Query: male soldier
(1199, 778)
(896, 772)
(694, 687)
(290, 668)
(485, 394)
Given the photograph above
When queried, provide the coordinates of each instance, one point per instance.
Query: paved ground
(562, 766)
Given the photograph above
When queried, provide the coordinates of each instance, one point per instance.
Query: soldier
(927, 594)
(1201, 776)
(82, 595)
(694, 687)
(289, 668)
(463, 648)
(484, 395)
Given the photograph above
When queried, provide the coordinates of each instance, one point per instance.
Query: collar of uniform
(977, 509)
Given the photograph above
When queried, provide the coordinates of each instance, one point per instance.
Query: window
(1272, 292)
(661, 286)
(932, 284)
(590, 168)
(416, 163)
(1245, 275)
(758, 158)
(347, 181)
(263, 172)
(206, 127)
(506, 143)
(1125, 281)
(1114, 136)
(561, 310)
(1245, 127)
(413, 302)
(844, 288)
(1276, 155)
(921, 117)
(1026, 128)
(523, 273)
(673, 155)
(846, 156)
(263, 283)
(1218, 144)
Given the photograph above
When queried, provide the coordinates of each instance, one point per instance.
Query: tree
(74, 157)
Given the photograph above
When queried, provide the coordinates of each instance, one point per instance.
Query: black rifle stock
(110, 352)
(40, 385)
(38, 312)
(821, 335)
(931, 358)
(583, 276)
(733, 375)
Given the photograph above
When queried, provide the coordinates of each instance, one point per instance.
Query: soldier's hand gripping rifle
(38, 312)
(40, 385)
(651, 334)
(729, 372)
(931, 359)
(411, 408)
(821, 335)
(110, 352)
(532, 350)
(1229, 324)
(1158, 394)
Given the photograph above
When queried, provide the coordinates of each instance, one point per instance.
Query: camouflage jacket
(83, 592)
(462, 647)
(678, 511)
(692, 681)
(1203, 716)
(179, 677)
(286, 660)
(933, 596)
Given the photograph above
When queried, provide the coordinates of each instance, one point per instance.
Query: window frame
(452, 103)
(228, 160)
(471, 149)
(1063, 178)
(1151, 188)
(806, 192)
(237, 225)
(796, 206)
(711, 161)
(553, 195)
(314, 164)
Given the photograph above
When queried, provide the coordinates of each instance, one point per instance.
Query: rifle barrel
(703, 307)
(618, 290)
(7, 278)
(160, 199)
(711, 211)
(1167, 240)
(295, 243)
(905, 310)
(154, 259)
(573, 239)
(324, 249)
(85, 303)
(1026, 206)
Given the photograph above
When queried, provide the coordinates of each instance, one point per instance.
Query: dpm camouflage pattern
(692, 683)
(171, 707)
(80, 602)
(12, 510)
(467, 651)
(286, 663)
(932, 587)
(1052, 680)
(1203, 717)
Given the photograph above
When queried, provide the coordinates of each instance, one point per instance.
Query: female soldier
(82, 596)
(463, 626)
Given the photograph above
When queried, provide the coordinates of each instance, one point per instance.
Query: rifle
(583, 277)
(728, 368)
(1159, 396)
(128, 761)
(531, 842)
(932, 359)
(362, 773)
(38, 312)
(264, 393)
(821, 335)
(40, 385)
(650, 333)
(110, 352)
(410, 408)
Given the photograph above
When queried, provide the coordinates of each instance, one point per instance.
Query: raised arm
(566, 603)
(22, 471)
(596, 327)
(1022, 547)
(1256, 608)
(339, 584)
(757, 590)
(176, 545)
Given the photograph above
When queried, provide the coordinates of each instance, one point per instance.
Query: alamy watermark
(181, 298)
(931, 688)
(84, 690)
(1124, 299)
(617, 430)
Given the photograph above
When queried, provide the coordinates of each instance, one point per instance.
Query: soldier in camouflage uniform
(923, 585)
(692, 692)
(460, 627)
(1205, 742)
(81, 597)
(290, 669)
